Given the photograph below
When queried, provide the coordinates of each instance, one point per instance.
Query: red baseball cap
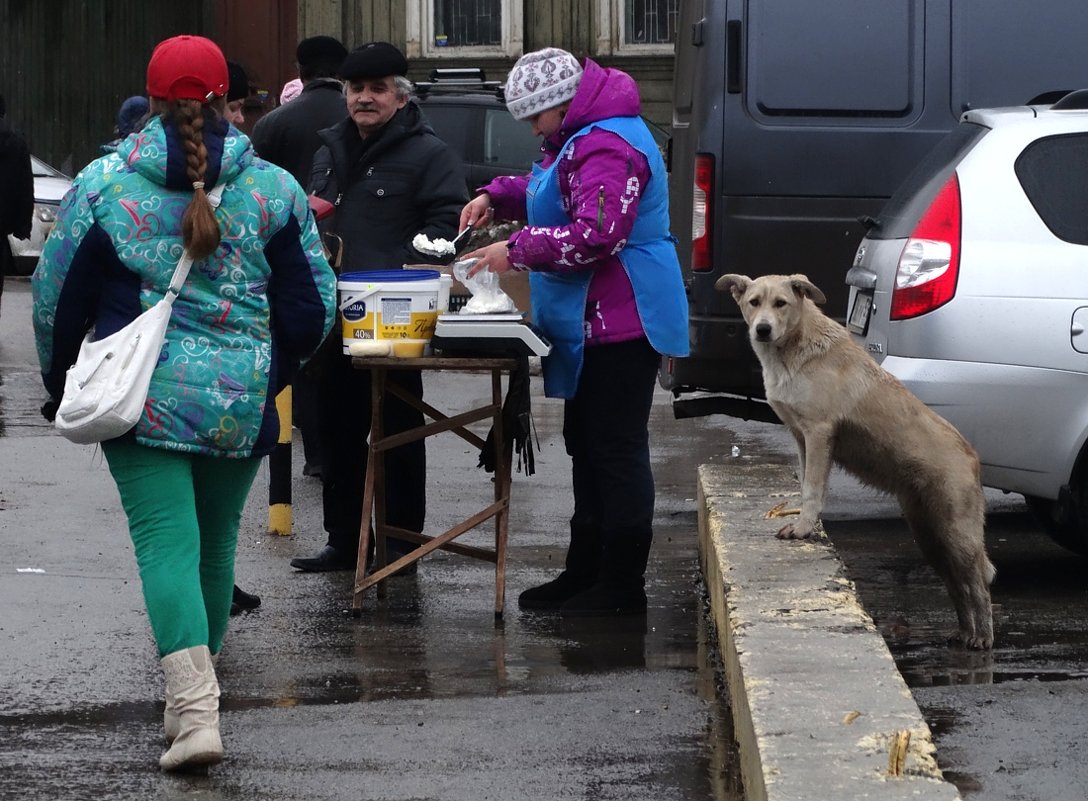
(187, 68)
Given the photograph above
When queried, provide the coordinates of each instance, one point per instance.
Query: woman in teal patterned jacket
(259, 299)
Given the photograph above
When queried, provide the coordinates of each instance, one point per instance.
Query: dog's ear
(737, 284)
(806, 289)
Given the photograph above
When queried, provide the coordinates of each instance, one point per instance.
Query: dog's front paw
(800, 530)
(972, 641)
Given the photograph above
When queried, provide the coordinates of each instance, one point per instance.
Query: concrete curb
(816, 696)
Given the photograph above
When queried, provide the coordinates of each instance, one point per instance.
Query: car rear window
(509, 142)
(906, 206)
(454, 125)
(1053, 173)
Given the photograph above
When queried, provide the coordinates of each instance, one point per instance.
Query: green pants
(183, 514)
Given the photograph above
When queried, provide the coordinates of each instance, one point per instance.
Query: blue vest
(649, 257)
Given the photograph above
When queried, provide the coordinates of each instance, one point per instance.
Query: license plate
(858, 322)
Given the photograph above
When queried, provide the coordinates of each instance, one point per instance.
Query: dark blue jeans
(606, 431)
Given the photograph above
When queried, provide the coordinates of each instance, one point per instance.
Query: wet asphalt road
(422, 697)
(1008, 725)
(1011, 725)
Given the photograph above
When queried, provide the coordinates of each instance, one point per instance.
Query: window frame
(610, 33)
(420, 25)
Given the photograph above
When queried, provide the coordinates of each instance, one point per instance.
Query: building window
(464, 28)
(650, 22)
(636, 27)
(467, 23)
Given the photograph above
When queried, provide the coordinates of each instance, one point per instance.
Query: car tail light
(45, 212)
(925, 278)
(702, 208)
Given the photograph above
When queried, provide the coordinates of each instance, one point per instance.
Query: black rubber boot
(583, 564)
(620, 588)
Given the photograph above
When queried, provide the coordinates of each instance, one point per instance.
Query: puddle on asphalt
(941, 722)
(715, 771)
(722, 757)
(1039, 625)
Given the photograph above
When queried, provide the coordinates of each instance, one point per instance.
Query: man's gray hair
(401, 85)
(405, 89)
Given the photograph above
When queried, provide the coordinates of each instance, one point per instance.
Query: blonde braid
(199, 228)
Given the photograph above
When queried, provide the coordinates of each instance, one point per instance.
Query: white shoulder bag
(106, 389)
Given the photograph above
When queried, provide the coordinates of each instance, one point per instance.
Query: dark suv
(469, 114)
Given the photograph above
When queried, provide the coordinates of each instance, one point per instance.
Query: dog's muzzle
(763, 332)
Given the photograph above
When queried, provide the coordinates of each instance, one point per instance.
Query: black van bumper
(721, 376)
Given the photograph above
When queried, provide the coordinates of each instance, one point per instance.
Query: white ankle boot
(192, 694)
(170, 723)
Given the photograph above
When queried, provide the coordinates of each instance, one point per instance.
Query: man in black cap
(391, 178)
(287, 136)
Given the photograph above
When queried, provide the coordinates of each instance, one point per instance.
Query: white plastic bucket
(400, 306)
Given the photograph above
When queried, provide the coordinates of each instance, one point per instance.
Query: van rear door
(810, 115)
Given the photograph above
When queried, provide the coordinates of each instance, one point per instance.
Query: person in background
(607, 291)
(259, 299)
(287, 136)
(130, 117)
(291, 90)
(237, 92)
(17, 195)
(391, 179)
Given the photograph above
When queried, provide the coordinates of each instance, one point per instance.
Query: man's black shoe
(243, 601)
(311, 470)
(327, 560)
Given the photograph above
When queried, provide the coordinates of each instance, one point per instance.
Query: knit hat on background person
(373, 60)
(187, 68)
(541, 80)
(129, 115)
(321, 51)
(237, 82)
(291, 90)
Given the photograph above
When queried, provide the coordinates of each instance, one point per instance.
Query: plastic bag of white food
(487, 296)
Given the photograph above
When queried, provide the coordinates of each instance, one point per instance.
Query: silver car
(49, 187)
(972, 288)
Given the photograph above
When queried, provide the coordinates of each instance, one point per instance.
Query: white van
(794, 121)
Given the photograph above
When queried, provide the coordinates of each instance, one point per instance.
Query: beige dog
(840, 405)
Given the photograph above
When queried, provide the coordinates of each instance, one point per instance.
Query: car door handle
(1077, 329)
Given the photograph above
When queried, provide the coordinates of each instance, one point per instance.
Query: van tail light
(702, 213)
(929, 266)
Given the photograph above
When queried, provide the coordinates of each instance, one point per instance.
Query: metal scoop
(461, 240)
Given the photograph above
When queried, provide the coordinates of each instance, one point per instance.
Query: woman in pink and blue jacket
(608, 293)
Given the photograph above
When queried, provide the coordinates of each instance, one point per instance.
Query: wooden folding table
(374, 491)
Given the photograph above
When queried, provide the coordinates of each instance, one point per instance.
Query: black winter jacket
(406, 182)
(287, 136)
(17, 180)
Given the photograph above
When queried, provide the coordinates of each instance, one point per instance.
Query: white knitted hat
(541, 80)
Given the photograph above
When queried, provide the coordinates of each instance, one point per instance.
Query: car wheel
(1063, 520)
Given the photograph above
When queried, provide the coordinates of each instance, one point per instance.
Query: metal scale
(507, 334)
